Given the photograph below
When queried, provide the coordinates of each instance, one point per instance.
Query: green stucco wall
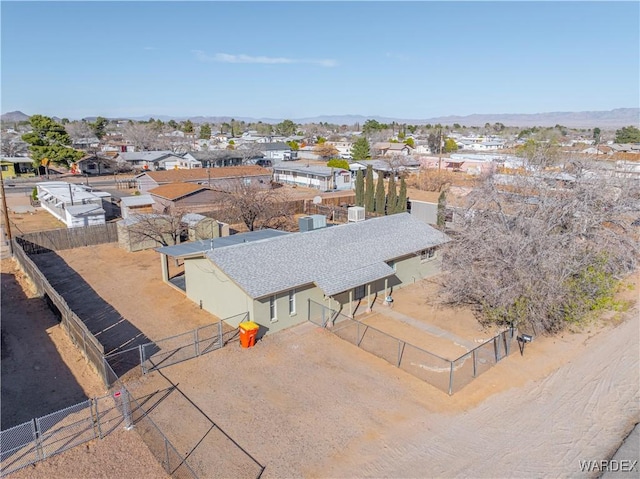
(284, 319)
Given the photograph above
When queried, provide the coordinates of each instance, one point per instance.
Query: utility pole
(5, 212)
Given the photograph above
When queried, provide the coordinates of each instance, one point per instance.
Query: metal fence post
(507, 342)
(475, 371)
(84, 344)
(400, 351)
(196, 342)
(220, 333)
(142, 360)
(495, 348)
(126, 409)
(451, 379)
(95, 402)
(166, 452)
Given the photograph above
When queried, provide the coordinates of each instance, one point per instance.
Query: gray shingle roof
(199, 247)
(317, 170)
(336, 258)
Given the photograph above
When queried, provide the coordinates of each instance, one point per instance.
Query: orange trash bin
(248, 333)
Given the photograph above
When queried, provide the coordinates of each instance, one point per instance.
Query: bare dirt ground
(42, 372)
(304, 403)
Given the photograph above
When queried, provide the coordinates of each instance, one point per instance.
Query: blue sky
(408, 60)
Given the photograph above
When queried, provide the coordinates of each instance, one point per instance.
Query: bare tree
(141, 135)
(164, 229)
(79, 130)
(255, 207)
(13, 146)
(543, 251)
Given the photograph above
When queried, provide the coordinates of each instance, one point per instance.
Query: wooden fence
(68, 238)
(90, 347)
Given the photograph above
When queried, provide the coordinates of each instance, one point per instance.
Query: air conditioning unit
(355, 214)
(305, 223)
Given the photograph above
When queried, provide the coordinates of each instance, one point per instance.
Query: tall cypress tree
(380, 196)
(369, 194)
(392, 196)
(442, 204)
(402, 199)
(359, 189)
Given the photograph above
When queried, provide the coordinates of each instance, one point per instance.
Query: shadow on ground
(35, 379)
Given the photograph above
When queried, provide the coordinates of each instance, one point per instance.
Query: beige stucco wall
(284, 319)
(409, 269)
(219, 295)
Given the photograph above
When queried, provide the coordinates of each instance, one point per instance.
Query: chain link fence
(447, 375)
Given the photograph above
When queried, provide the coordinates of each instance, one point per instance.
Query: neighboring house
(182, 196)
(135, 205)
(182, 162)
(74, 205)
(148, 160)
(95, 165)
(277, 151)
(322, 178)
(218, 158)
(390, 149)
(217, 178)
(395, 165)
(343, 147)
(14, 166)
(597, 150)
(625, 147)
(480, 145)
(345, 267)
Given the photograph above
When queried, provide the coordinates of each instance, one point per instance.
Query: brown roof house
(182, 196)
(216, 178)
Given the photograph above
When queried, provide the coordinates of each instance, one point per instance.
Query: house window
(427, 254)
(273, 313)
(292, 302)
(5, 168)
(358, 292)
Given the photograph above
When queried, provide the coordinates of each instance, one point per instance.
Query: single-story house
(14, 166)
(183, 196)
(277, 151)
(218, 158)
(345, 267)
(74, 205)
(323, 178)
(216, 178)
(95, 165)
(136, 205)
(386, 148)
(387, 167)
(158, 160)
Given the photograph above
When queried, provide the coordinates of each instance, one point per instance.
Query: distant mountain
(611, 119)
(14, 117)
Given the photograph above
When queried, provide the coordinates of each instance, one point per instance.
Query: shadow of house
(35, 379)
(113, 331)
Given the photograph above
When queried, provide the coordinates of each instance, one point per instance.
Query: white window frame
(273, 309)
(292, 302)
(428, 254)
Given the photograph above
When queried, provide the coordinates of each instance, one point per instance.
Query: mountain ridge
(615, 118)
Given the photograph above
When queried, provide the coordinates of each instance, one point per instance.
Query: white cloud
(228, 58)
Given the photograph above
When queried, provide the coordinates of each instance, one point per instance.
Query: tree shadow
(35, 379)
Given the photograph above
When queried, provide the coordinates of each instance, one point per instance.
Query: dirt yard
(304, 403)
(42, 372)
